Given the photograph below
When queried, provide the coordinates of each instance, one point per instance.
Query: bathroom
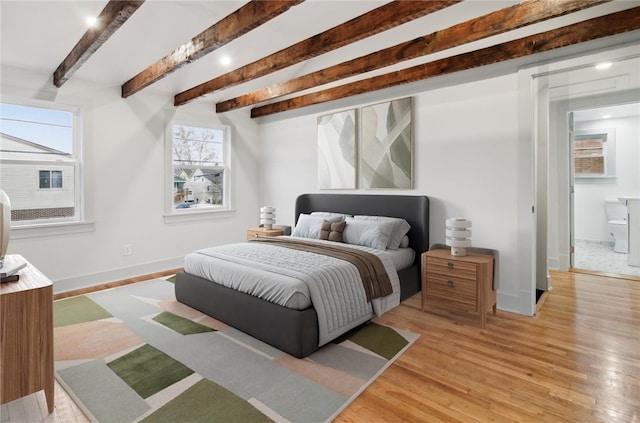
(600, 215)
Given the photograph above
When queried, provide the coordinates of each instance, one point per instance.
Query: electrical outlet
(128, 249)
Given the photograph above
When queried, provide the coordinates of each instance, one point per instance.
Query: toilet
(617, 225)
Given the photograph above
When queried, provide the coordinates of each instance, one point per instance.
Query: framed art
(337, 150)
(386, 159)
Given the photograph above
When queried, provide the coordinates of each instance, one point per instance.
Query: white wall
(123, 142)
(590, 221)
(465, 155)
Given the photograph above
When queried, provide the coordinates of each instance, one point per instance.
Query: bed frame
(296, 331)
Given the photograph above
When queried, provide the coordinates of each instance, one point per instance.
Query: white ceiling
(37, 35)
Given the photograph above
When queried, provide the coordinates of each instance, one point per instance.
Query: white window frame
(171, 214)
(608, 151)
(55, 226)
(50, 171)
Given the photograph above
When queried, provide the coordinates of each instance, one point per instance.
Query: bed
(296, 331)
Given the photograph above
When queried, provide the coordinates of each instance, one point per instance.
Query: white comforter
(297, 279)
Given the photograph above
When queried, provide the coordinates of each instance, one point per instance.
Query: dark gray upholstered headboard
(413, 208)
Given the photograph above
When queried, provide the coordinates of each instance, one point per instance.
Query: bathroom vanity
(633, 210)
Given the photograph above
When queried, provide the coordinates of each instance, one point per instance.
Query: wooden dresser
(262, 233)
(462, 281)
(26, 335)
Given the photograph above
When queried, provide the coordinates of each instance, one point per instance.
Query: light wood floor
(577, 360)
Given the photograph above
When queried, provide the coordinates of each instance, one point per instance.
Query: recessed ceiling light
(606, 116)
(225, 60)
(91, 21)
(603, 65)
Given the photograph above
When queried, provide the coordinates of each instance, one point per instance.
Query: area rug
(135, 354)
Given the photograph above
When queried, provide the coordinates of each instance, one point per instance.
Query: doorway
(606, 166)
(593, 159)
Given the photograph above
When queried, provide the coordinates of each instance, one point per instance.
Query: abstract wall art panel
(337, 150)
(387, 146)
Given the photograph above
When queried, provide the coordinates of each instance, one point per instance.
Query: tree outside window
(198, 166)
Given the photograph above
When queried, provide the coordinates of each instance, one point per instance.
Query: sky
(51, 128)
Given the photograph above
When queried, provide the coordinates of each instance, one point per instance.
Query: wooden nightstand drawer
(452, 267)
(458, 282)
(454, 289)
(262, 233)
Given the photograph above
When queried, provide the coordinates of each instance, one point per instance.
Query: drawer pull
(450, 284)
(450, 265)
(257, 236)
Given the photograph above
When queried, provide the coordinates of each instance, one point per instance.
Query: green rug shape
(207, 402)
(382, 340)
(148, 370)
(77, 310)
(172, 279)
(180, 324)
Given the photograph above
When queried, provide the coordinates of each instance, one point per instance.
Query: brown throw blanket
(375, 279)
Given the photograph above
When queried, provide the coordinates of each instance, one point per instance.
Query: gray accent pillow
(400, 228)
(309, 226)
(369, 233)
(332, 217)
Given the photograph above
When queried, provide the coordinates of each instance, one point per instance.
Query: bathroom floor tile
(602, 258)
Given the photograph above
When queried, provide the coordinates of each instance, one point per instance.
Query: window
(39, 161)
(594, 155)
(50, 179)
(589, 155)
(199, 168)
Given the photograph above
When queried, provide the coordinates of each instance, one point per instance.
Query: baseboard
(99, 278)
(508, 303)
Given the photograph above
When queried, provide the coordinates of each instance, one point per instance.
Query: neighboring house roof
(15, 147)
(213, 176)
(188, 172)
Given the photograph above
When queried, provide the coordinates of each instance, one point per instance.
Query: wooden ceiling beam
(112, 17)
(592, 29)
(519, 15)
(248, 17)
(378, 20)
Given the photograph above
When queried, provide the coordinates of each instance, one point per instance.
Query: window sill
(198, 215)
(51, 229)
(595, 179)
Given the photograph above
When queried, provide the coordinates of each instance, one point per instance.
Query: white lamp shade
(267, 216)
(5, 224)
(459, 243)
(458, 222)
(458, 235)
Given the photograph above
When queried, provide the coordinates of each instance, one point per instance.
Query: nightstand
(26, 319)
(263, 233)
(461, 281)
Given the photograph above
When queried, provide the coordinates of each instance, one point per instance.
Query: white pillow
(331, 216)
(405, 242)
(400, 228)
(309, 226)
(370, 233)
